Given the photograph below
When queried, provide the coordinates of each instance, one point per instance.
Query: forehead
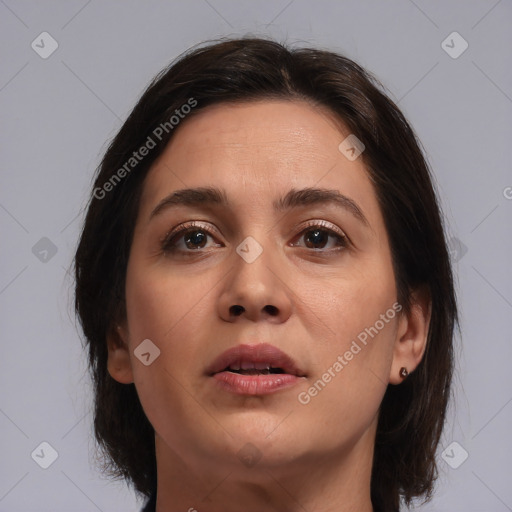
(258, 150)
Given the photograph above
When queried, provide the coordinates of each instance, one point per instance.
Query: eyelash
(168, 243)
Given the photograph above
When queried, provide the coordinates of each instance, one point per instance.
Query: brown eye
(187, 239)
(195, 239)
(318, 237)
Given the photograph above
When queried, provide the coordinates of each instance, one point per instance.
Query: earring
(403, 372)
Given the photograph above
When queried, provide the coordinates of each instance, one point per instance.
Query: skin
(315, 456)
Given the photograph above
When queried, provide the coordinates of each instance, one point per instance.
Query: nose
(255, 291)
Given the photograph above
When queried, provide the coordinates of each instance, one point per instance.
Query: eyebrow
(213, 196)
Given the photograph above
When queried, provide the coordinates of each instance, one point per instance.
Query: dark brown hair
(412, 414)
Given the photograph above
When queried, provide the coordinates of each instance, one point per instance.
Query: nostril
(236, 310)
(272, 310)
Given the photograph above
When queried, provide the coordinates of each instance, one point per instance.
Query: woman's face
(309, 273)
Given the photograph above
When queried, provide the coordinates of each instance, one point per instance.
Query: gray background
(58, 114)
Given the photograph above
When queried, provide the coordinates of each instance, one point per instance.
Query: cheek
(352, 360)
(169, 310)
(349, 302)
(161, 308)
(154, 305)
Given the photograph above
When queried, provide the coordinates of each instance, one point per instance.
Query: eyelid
(184, 227)
(324, 224)
(208, 228)
(330, 228)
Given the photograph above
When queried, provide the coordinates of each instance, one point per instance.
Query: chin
(266, 440)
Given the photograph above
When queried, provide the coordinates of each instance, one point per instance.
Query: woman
(265, 289)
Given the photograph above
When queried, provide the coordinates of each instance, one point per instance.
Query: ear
(412, 333)
(119, 364)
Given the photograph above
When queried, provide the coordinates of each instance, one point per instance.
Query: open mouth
(260, 359)
(255, 371)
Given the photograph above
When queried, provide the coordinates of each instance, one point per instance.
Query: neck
(338, 481)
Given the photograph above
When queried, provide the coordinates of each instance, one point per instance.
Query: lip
(246, 355)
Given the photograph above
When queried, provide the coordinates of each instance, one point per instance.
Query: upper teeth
(248, 365)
